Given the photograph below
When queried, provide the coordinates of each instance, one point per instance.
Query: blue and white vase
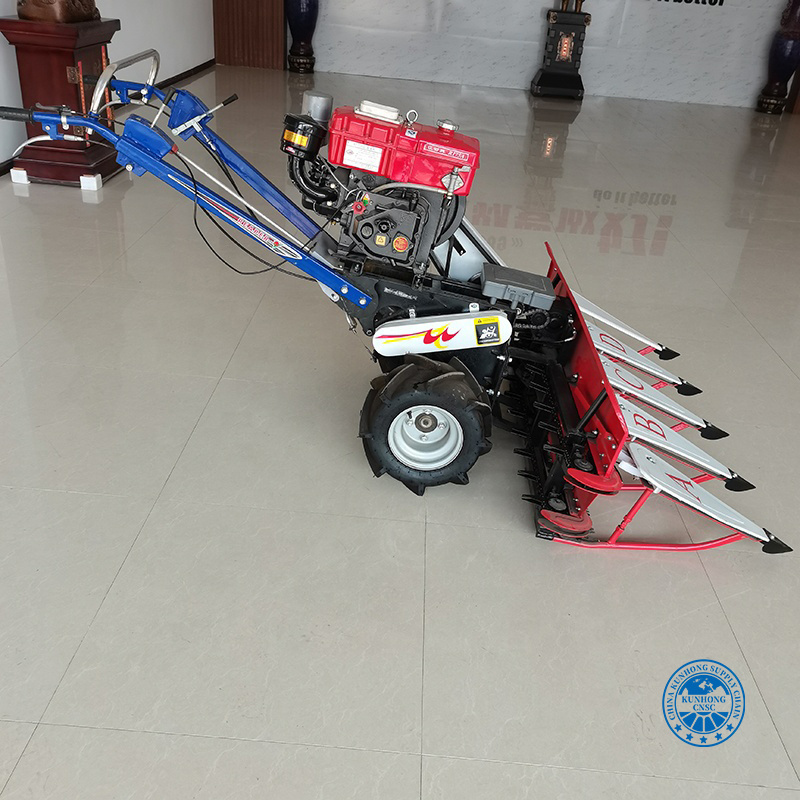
(784, 59)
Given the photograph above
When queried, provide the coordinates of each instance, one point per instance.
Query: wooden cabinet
(53, 58)
(250, 33)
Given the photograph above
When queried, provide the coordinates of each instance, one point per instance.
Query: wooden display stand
(53, 60)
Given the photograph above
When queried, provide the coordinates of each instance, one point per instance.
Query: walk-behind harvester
(463, 341)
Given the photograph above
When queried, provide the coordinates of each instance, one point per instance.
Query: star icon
(730, 727)
(689, 737)
(703, 739)
(718, 736)
(678, 727)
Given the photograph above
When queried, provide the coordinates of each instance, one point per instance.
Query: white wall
(651, 49)
(181, 30)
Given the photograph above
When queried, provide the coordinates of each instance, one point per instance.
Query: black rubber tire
(424, 382)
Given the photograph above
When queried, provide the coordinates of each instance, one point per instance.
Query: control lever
(164, 106)
(195, 121)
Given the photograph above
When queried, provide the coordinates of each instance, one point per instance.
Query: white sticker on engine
(362, 156)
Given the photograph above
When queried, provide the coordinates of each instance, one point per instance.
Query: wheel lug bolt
(441, 426)
(423, 438)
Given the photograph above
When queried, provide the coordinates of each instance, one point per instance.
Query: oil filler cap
(400, 244)
(446, 125)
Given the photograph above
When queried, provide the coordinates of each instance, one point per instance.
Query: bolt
(409, 421)
(423, 438)
(441, 426)
(343, 290)
(332, 185)
(362, 302)
(129, 167)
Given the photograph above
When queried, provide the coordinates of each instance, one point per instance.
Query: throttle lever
(164, 105)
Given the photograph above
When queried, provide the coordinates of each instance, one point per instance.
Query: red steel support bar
(635, 509)
(734, 537)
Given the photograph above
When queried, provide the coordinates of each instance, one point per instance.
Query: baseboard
(5, 166)
(189, 73)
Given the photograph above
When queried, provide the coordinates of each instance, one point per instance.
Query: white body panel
(645, 428)
(663, 477)
(446, 332)
(613, 348)
(628, 384)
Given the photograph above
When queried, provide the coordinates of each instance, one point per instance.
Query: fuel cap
(447, 125)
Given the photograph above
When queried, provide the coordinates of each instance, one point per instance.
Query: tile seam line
(73, 491)
(347, 748)
(16, 763)
(223, 738)
(753, 674)
(18, 351)
(566, 768)
(269, 509)
(129, 370)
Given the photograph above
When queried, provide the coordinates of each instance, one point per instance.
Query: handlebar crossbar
(114, 66)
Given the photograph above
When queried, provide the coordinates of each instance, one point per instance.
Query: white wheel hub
(425, 437)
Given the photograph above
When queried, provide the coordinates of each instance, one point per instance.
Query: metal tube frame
(131, 152)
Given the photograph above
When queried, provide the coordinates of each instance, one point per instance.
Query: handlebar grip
(17, 114)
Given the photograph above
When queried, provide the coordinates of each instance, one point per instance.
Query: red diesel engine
(402, 152)
(397, 187)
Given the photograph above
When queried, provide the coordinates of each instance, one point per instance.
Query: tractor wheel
(426, 423)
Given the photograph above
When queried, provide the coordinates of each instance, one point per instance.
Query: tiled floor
(204, 592)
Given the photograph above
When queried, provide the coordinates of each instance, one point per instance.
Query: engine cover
(402, 152)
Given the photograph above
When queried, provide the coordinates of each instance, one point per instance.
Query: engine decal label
(487, 330)
(449, 152)
(295, 138)
(362, 156)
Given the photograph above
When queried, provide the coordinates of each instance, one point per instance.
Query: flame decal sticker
(435, 336)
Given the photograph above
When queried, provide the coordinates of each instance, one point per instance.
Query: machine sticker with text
(362, 156)
(487, 330)
(449, 152)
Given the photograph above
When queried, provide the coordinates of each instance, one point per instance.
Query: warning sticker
(487, 330)
(362, 156)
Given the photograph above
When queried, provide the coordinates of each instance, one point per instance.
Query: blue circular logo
(703, 703)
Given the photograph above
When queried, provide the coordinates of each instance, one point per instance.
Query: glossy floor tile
(204, 591)
(288, 627)
(60, 554)
(14, 737)
(444, 779)
(521, 643)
